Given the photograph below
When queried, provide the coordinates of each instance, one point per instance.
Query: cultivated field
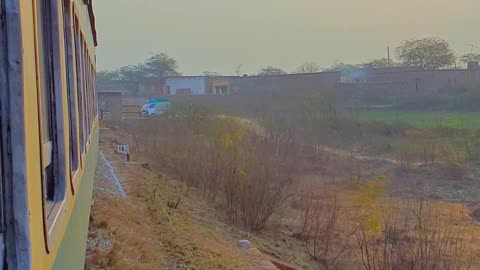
(421, 119)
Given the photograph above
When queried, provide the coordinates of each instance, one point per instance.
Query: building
(110, 104)
(401, 82)
(186, 85)
(298, 83)
(219, 86)
(197, 85)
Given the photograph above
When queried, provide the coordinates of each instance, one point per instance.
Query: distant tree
(238, 69)
(269, 70)
(471, 57)
(339, 66)
(133, 73)
(308, 67)
(106, 76)
(211, 74)
(160, 65)
(426, 53)
(157, 66)
(379, 63)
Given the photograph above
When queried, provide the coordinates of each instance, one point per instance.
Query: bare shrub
(251, 170)
(429, 152)
(320, 228)
(260, 181)
(414, 237)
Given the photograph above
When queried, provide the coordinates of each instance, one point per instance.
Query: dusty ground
(159, 225)
(146, 231)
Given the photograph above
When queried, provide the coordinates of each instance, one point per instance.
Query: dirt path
(259, 130)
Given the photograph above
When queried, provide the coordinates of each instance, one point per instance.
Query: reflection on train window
(86, 89)
(80, 82)
(74, 155)
(53, 181)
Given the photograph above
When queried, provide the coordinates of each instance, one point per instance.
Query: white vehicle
(156, 107)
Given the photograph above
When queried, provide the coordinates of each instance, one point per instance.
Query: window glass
(80, 85)
(74, 156)
(47, 99)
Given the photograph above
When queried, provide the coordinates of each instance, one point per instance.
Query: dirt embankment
(158, 225)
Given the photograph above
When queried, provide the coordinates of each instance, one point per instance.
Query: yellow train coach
(48, 131)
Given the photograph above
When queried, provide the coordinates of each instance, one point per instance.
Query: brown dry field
(145, 231)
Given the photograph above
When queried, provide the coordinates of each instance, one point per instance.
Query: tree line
(423, 53)
(157, 66)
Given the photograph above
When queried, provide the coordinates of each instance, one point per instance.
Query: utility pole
(388, 55)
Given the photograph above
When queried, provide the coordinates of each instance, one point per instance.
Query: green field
(420, 119)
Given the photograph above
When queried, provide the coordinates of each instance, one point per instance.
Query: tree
(157, 66)
(339, 66)
(308, 67)
(471, 57)
(269, 70)
(425, 53)
(160, 65)
(132, 73)
(132, 77)
(238, 69)
(106, 76)
(379, 63)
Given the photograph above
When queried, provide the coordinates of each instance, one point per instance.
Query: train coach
(48, 132)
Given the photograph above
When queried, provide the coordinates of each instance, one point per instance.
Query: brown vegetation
(221, 156)
(158, 226)
(344, 218)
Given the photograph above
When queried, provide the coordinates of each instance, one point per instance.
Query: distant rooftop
(110, 91)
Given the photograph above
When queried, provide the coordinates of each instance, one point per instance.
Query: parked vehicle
(156, 107)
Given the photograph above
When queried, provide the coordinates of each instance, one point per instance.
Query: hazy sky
(216, 35)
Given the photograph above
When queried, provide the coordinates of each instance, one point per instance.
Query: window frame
(53, 208)
(77, 39)
(74, 151)
(86, 91)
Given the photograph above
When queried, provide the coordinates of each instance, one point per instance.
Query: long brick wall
(280, 83)
(392, 82)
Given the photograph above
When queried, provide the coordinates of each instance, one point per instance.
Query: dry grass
(185, 231)
(144, 231)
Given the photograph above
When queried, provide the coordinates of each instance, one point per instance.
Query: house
(197, 85)
(186, 85)
(219, 86)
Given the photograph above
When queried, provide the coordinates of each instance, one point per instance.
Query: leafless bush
(429, 153)
(260, 181)
(414, 237)
(320, 228)
(250, 170)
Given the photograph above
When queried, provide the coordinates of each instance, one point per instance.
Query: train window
(73, 116)
(86, 92)
(80, 83)
(53, 174)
